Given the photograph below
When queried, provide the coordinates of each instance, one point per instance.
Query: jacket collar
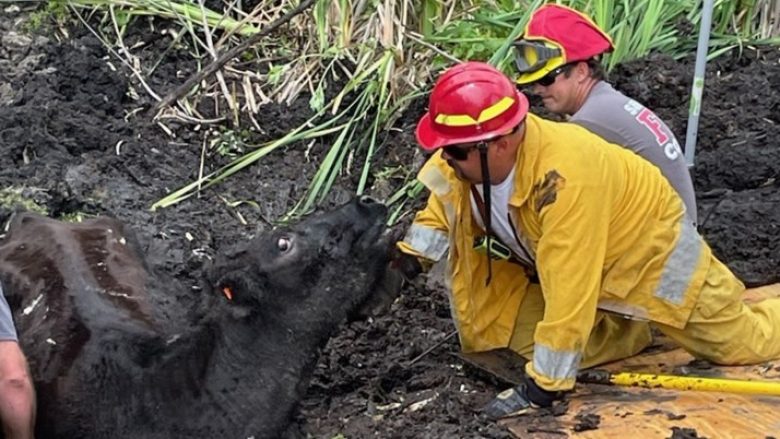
(440, 179)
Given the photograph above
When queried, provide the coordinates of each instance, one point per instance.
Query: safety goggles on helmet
(531, 56)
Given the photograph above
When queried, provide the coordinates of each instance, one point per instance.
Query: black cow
(115, 354)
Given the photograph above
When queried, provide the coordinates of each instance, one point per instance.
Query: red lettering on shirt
(648, 119)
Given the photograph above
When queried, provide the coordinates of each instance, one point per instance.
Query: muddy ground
(76, 139)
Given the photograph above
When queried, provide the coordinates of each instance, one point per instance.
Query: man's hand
(520, 400)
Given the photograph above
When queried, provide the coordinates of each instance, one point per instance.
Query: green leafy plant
(53, 13)
(375, 57)
(229, 143)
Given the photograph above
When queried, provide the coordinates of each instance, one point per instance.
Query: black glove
(409, 266)
(402, 267)
(519, 400)
(387, 289)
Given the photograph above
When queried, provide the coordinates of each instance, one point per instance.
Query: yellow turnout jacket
(606, 229)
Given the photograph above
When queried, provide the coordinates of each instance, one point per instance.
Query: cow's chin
(374, 242)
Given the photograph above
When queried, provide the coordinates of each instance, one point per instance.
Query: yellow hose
(696, 383)
(654, 381)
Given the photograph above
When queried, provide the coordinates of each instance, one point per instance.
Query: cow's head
(323, 266)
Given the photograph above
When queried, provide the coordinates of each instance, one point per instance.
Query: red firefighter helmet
(470, 102)
(557, 35)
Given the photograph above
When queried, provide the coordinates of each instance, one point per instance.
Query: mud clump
(586, 421)
(669, 415)
(685, 433)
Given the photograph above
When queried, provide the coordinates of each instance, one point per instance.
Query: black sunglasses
(461, 153)
(458, 153)
(548, 79)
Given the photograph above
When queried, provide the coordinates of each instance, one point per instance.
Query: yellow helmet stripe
(463, 120)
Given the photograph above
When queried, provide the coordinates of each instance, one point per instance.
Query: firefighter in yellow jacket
(548, 226)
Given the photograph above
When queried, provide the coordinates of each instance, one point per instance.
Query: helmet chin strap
(482, 147)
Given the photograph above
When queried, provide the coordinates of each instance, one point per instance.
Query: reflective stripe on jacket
(608, 231)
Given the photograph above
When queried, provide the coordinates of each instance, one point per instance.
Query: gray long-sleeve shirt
(7, 331)
(622, 120)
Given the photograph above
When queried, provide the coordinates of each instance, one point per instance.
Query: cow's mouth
(374, 236)
(373, 239)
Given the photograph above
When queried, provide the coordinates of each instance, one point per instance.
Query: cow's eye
(283, 244)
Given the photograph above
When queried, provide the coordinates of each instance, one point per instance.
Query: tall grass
(386, 51)
(637, 27)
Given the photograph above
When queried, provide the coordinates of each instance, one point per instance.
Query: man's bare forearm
(17, 395)
(17, 408)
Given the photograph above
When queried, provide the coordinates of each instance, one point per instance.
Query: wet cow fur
(115, 354)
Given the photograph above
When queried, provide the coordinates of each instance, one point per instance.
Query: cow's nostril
(365, 199)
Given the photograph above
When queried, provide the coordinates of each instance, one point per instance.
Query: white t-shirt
(499, 218)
